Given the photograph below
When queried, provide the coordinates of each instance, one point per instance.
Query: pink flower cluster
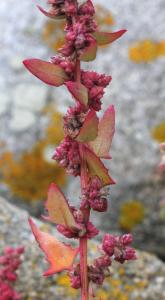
(95, 83)
(119, 247)
(9, 263)
(75, 277)
(74, 120)
(67, 155)
(113, 248)
(60, 8)
(78, 34)
(65, 63)
(86, 229)
(94, 196)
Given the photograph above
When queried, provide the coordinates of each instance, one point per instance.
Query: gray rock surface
(145, 277)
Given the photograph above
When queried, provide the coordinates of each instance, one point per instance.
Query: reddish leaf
(104, 38)
(46, 71)
(58, 208)
(88, 131)
(78, 91)
(106, 129)
(59, 255)
(50, 14)
(89, 53)
(96, 167)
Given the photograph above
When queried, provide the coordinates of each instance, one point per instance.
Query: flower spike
(87, 140)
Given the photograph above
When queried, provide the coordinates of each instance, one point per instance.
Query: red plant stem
(83, 241)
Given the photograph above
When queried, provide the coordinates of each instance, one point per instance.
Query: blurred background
(31, 120)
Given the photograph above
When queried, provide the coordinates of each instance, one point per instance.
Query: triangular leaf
(106, 129)
(46, 71)
(89, 53)
(59, 255)
(96, 167)
(58, 209)
(88, 131)
(78, 91)
(51, 15)
(104, 38)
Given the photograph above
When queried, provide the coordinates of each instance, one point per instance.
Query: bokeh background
(31, 127)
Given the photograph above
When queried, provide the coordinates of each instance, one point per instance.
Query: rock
(4, 102)
(21, 120)
(141, 279)
(16, 63)
(30, 96)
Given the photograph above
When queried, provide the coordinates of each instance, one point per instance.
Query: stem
(83, 269)
(83, 241)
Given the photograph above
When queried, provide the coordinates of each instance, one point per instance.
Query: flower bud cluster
(9, 263)
(78, 34)
(67, 155)
(65, 63)
(84, 229)
(119, 247)
(75, 277)
(95, 83)
(96, 275)
(74, 120)
(94, 196)
(62, 8)
(113, 248)
(99, 270)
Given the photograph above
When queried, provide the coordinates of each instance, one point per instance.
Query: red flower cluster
(75, 277)
(85, 229)
(60, 8)
(78, 36)
(95, 83)
(113, 248)
(74, 120)
(118, 247)
(65, 63)
(94, 196)
(67, 155)
(9, 263)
